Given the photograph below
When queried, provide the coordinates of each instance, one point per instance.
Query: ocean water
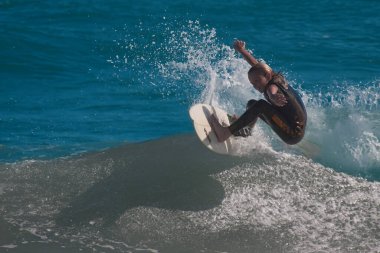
(98, 153)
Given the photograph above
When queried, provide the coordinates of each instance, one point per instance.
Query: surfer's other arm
(239, 46)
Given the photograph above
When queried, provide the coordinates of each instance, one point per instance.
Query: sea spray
(189, 62)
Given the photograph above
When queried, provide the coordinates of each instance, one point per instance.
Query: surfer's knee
(257, 108)
(262, 106)
(251, 103)
(254, 104)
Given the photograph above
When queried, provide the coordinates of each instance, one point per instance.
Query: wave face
(173, 195)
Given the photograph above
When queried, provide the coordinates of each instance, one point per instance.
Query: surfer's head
(259, 76)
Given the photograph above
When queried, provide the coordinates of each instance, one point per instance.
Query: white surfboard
(200, 114)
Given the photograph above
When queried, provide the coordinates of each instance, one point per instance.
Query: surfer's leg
(272, 117)
(251, 103)
(245, 131)
(222, 133)
(249, 118)
(284, 130)
(288, 132)
(269, 114)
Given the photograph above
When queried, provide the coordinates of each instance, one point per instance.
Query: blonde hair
(265, 66)
(262, 68)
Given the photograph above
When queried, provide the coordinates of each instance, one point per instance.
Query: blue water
(88, 77)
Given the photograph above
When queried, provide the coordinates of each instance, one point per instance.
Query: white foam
(255, 144)
(9, 246)
(345, 125)
(320, 209)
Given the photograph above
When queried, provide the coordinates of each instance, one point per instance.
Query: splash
(185, 61)
(211, 65)
(204, 62)
(344, 122)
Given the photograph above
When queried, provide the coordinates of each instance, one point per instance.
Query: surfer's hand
(239, 45)
(278, 99)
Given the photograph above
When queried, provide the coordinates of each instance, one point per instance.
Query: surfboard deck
(200, 114)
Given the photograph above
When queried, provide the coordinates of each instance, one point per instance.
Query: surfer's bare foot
(222, 133)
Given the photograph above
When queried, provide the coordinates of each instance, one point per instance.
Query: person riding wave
(282, 109)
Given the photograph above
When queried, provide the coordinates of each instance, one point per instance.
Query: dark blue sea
(98, 152)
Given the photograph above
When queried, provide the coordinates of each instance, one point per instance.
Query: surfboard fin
(207, 135)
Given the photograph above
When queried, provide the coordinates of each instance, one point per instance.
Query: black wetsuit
(288, 121)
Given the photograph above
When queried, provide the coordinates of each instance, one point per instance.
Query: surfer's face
(258, 79)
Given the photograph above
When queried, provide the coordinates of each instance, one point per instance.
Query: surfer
(283, 109)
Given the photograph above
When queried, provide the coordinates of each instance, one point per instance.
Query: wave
(173, 191)
(342, 117)
(173, 194)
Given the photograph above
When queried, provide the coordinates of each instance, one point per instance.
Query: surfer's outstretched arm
(239, 46)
